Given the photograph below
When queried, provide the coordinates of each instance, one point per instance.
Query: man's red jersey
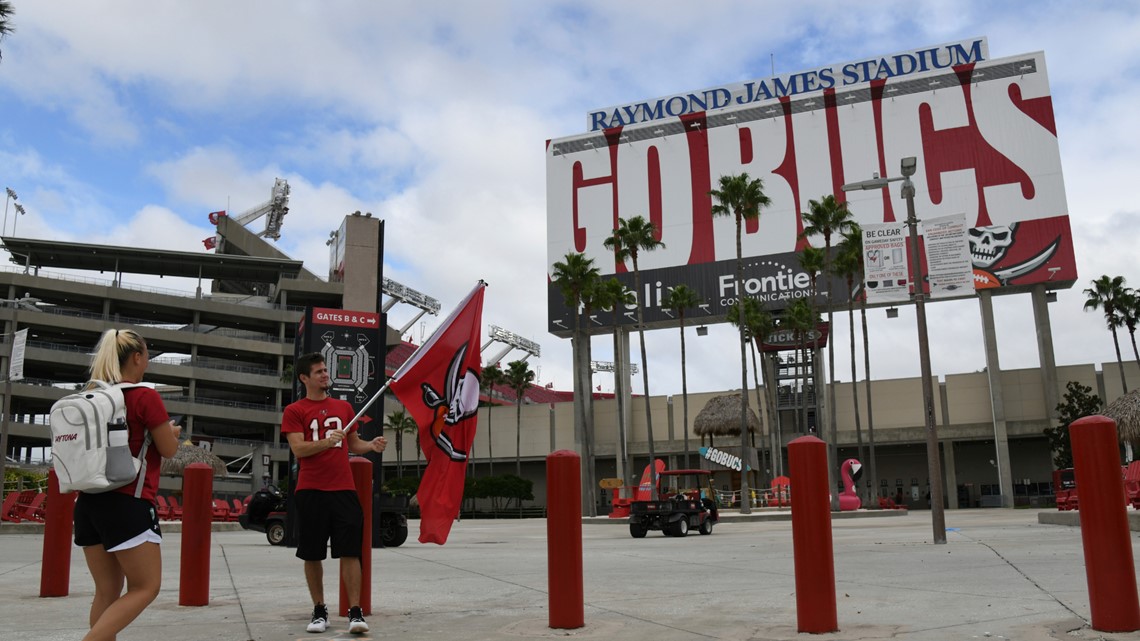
(328, 470)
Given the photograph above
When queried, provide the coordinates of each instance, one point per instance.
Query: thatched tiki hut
(721, 417)
(189, 453)
(1126, 412)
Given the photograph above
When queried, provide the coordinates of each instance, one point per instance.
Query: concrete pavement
(1001, 575)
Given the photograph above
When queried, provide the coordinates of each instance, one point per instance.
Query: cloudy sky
(126, 122)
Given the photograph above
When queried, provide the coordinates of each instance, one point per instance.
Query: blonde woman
(118, 530)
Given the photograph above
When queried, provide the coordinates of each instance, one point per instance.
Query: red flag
(439, 386)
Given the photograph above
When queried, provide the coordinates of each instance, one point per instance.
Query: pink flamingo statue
(850, 470)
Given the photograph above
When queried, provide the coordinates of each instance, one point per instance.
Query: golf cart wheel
(637, 530)
(394, 536)
(275, 533)
(706, 527)
(680, 528)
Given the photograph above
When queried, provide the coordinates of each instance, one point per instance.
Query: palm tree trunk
(1119, 361)
(867, 385)
(684, 391)
(621, 383)
(591, 462)
(764, 466)
(583, 389)
(745, 498)
(854, 381)
(400, 453)
(833, 446)
(1132, 334)
(518, 436)
(645, 380)
(775, 438)
(490, 451)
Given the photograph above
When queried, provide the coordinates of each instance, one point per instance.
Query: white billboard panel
(983, 134)
(949, 272)
(886, 268)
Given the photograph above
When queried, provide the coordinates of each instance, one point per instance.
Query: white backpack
(89, 443)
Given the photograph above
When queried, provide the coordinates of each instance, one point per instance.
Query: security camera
(909, 165)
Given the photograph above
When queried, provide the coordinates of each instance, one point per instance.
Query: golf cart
(266, 510)
(686, 501)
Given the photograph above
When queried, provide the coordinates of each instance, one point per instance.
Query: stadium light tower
(20, 212)
(933, 460)
(10, 196)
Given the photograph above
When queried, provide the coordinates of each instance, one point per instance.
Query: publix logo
(719, 457)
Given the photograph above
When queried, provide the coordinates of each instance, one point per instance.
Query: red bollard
(197, 514)
(362, 479)
(811, 536)
(55, 569)
(564, 539)
(1104, 525)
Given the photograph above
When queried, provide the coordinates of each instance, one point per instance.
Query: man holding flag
(321, 433)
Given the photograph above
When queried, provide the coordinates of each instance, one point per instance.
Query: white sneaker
(356, 622)
(320, 620)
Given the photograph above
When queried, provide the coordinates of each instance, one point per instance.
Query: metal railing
(87, 280)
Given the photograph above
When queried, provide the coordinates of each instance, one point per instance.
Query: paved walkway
(1001, 575)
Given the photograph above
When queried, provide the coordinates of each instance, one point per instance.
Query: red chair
(889, 504)
(220, 511)
(1132, 484)
(162, 507)
(175, 508)
(782, 491)
(35, 509)
(10, 511)
(238, 509)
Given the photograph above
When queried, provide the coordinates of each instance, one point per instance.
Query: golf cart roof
(682, 472)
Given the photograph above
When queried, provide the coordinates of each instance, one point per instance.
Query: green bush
(28, 479)
(402, 486)
(502, 490)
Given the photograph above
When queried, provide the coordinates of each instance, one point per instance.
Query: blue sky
(126, 122)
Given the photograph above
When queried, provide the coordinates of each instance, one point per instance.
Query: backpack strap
(146, 439)
(142, 468)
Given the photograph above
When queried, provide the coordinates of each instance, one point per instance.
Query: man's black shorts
(322, 516)
(112, 518)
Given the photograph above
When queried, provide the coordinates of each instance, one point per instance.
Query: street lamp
(11, 195)
(933, 461)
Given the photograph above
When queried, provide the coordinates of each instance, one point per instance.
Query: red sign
(348, 318)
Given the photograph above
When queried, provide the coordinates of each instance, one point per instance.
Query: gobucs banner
(439, 386)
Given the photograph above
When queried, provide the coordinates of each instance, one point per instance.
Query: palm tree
(849, 265)
(1108, 293)
(630, 238)
(519, 377)
(742, 198)
(1130, 313)
(683, 297)
(492, 376)
(576, 277)
(800, 318)
(828, 217)
(6, 12)
(612, 295)
(853, 237)
(758, 324)
(402, 423)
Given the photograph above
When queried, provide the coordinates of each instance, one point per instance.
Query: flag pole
(367, 405)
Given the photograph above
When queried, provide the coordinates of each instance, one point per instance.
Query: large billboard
(983, 134)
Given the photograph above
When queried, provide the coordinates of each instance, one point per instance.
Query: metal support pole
(933, 459)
